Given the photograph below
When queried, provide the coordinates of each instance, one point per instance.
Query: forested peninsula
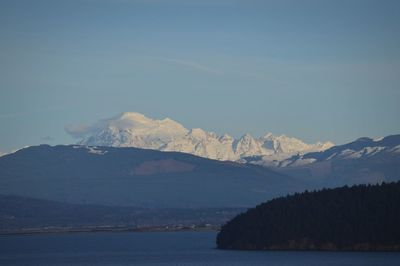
(358, 218)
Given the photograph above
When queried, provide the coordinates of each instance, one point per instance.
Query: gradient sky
(316, 70)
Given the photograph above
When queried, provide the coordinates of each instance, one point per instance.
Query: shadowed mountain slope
(137, 177)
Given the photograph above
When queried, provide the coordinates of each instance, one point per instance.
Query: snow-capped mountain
(136, 130)
(361, 148)
(362, 161)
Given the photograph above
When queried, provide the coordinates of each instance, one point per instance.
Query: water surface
(162, 248)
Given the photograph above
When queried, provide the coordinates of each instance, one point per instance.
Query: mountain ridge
(126, 176)
(131, 129)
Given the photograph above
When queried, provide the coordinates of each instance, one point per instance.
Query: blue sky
(316, 70)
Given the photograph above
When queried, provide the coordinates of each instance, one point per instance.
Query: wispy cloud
(193, 3)
(188, 63)
(13, 114)
(37, 110)
(211, 70)
(79, 130)
(47, 138)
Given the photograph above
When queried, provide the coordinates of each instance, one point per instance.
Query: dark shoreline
(164, 229)
(356, 248)
(71, 230)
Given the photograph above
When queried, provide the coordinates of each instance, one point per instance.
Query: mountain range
(132, 129)
(135, 162)
(364, 160)
(125, 176)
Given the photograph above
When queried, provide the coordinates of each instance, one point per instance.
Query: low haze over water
(172, 248)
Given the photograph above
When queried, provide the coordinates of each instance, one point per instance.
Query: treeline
(362, 217)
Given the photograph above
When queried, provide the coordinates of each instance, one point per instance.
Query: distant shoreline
(68, 230)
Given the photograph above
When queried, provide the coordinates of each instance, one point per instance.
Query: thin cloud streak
(47, 138)
(189, 64)
(40, 110)
(213, 71)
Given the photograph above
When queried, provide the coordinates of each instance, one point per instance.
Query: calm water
(181, 248)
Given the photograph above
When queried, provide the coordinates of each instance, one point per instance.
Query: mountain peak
(132, 115)
(268, 135)
(198, 133)
(133, 129)
(364, 139)
(129, 120)
(247, 136)
(138, 118)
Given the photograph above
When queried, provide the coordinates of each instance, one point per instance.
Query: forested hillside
(363, 217)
